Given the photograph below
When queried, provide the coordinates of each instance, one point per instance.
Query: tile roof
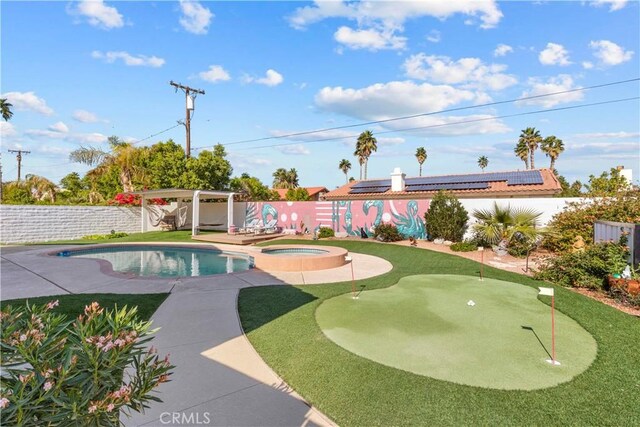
(311, 190)
(496, 188)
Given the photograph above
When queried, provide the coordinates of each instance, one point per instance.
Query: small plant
(387, 233)
(325, 232)
(76, 372)
(446, 218)
(464, 246)
(112, 235)
(499, 225)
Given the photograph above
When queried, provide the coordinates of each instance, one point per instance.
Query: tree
(41, 188)
(502, 223)
(252, 189)
(552, 147)
(209, 171)
(421, 155)
(345, 166)
(165, 165)
(5, 107)
(446, 218)
(365, 146)
(568, 190)
(531, 138)
(123, 156)
(297, 195)
(607, 184)
(522, 151)
(283, 178)
(483, 162)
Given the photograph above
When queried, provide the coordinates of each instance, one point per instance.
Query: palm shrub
(446, 218)
(501, 223)
(76, 372)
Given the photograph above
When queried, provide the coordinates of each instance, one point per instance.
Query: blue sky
(77, 72)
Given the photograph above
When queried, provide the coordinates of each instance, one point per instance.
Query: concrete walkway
(219, 379)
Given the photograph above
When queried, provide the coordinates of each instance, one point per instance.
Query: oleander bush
(82, 371)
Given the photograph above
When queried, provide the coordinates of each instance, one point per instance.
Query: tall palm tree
(552, 147)
(5, 107)
(522, 151)
(532, 139)
(280, 178)
(365, 146)
(421, 155)
(345, 166)
(483, 162)
(123, 155)
(292, 178)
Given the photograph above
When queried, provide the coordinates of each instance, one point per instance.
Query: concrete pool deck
(218, 377)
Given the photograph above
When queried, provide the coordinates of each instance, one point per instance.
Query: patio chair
(250, 226)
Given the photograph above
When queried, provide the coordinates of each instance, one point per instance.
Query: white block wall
(32, 223)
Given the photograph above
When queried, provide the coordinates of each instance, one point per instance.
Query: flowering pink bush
(81, 372)
(126, 199)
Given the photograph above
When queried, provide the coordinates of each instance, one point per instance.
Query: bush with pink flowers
(83, 371)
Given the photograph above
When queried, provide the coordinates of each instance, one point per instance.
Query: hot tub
(299, 258)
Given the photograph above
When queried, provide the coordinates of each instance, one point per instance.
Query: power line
(156, 134)
(449, 110)
(451, 123)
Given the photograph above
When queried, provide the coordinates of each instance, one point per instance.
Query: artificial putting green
(424, 325)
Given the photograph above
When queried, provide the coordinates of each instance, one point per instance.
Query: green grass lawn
(354, 391)
(151, 236)
(73, 305)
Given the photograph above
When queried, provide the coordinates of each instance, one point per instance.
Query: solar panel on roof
(364, 190)
(512, 178)
(376, 183)
(449, 186)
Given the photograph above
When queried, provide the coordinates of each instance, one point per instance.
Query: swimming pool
(165, 261)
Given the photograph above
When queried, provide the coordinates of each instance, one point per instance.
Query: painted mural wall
(344, 216)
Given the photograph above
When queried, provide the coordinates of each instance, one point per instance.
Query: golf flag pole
(349, 259)
(481, 250)
(549, 292)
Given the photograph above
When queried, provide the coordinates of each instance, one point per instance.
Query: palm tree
(522, 151)
(5, 107)
(292, 178)
(532, 139)
(552, 147)
(365, 146)
(41, 188)
(345, 166)
(483, 162)
(500, 224)
(283, 178)
(421, 155)
(123, 155)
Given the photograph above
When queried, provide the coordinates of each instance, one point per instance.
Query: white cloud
(59, 127)
(610, 53)
(28, 101)
(613, 4)
(394, 14)
(587, 65)
(560, 83)
(554, 54)
(434, 36)
(214, 74)
(98, 14)
(617, 135)
(81, 138)
(85, 116)
(271, 78)
(370, 39)
(502, 49)
(475, 124)
(195, 17)
(295, 150)
(471, 71)
(128, 59)
(618, 147)
(7, 130)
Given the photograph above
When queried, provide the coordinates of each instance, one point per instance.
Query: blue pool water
(294, 251)
(164, 261)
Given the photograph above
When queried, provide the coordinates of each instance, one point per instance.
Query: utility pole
(19, 154)
(190, 107)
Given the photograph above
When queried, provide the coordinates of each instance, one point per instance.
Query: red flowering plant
(128, 199)
(76, 372)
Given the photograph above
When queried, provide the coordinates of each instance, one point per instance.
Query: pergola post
(143, 214)
(230, 225)
(196, 213)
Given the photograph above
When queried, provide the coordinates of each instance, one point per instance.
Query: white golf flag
(546, 291)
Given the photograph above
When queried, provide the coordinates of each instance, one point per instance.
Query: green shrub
(72, 372)
(446, 218)
(586, 269)
(466, 246)
(325, 232)
(112, 235)
(387, 233)
(578, 217)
